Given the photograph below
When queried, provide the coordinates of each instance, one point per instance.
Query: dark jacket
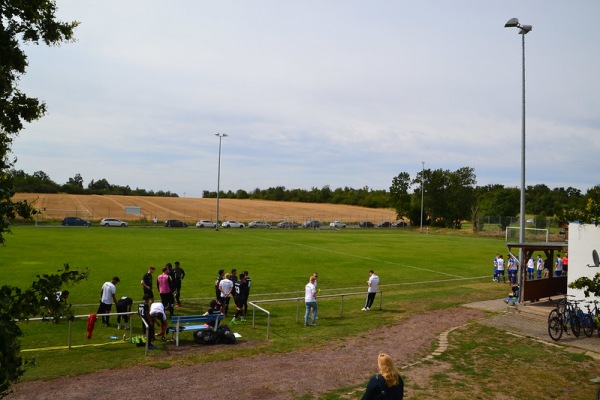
(377, 386)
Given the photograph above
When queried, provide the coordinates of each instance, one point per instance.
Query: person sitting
(513, 296)
(214, 308)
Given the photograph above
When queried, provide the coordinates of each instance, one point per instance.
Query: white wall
(583, 239)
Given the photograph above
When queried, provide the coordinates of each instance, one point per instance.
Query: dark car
(311, 224)
(287, 225)
(399, 224)
(175, 223)
(74, 221)
(384, 224)
(365, 224)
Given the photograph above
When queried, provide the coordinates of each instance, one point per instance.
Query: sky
(344, 93)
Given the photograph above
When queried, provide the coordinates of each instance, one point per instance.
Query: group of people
(536, 267)
(311, 291)
(541, 268)
(228, 286)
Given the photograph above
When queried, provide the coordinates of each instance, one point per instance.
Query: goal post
(531, 234)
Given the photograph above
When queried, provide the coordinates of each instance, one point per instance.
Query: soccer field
(418, 272)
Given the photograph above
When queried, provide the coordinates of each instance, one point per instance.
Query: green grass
(418, 273)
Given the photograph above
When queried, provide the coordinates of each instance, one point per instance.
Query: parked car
(112, 222)
(232, 224)
(204, 223)
(259, 224)
(337, 224)
(384, 224)
(365, 224)
(74, 221)
(311, 224)
(175, 223)
(399, 224)
(287, 225)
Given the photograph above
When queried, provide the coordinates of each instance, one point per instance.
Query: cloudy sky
(315, 92)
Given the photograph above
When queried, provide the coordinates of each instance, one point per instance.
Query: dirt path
(284, 376)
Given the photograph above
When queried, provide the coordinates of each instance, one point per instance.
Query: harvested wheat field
(54, 207)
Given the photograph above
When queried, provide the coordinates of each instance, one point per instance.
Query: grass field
(418, 273)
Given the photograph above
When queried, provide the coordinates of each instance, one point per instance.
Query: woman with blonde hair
(388, 384)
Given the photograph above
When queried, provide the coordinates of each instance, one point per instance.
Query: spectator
(147, 282)
(565, 261)
(373, 284)
(107, 298)
(178, 275)
(387, 384)
(310, 299)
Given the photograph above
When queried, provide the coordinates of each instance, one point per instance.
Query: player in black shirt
(240, 295)
(177, 274)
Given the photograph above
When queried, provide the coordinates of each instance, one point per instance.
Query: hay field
(95, 207)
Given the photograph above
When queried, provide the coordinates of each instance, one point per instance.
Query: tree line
(40, 182)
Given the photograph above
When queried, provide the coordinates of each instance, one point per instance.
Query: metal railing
(298, 300)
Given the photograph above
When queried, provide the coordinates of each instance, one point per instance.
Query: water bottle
(113, 338)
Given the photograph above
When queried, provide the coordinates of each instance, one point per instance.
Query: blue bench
(193, 323)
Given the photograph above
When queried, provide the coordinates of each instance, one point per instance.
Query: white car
(337, 224)
(112, 222)
(259, 224)
(232, 224)
(204, 223)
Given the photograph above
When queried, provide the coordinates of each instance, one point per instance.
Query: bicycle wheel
(575, 325)
(555, 328)
(552, 314)
(587, 323)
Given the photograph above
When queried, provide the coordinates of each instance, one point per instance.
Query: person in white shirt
(107, 298)
(373, 283)
(225, 287)
(310, 299)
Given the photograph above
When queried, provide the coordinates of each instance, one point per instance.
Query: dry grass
(96, 207)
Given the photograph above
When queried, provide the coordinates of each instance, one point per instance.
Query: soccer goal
(531, 234)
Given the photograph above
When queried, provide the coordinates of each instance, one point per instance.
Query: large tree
(22, 22)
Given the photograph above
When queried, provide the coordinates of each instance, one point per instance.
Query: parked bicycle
(564, 318)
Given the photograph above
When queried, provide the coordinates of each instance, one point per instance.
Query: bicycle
(559, 322)
(587, 320)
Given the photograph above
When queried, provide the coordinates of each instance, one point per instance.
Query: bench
(193, 323)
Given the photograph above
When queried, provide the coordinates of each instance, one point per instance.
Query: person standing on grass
(495, 277)
(178, 275)
(107, 298)
(387, 384)
(539, 267)
(373, 284)
(240, 296)
(147, 282)
(249, 282)
(558, 266)
(217, 283)
(530, 265)
(500, 264)
(163, 282)
(310, 299)
(225, 287)
(512, 269)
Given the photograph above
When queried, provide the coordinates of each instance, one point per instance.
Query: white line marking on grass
(365, 258)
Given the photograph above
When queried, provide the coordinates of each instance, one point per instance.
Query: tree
(31, 21)
(399, 194)
(17, 304)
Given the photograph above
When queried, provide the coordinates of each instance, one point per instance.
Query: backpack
(205, 336)
(225, 335)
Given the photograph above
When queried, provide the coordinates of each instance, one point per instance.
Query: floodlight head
(512, 23)
(525, 29)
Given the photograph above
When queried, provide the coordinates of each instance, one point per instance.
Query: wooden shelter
(534, 289)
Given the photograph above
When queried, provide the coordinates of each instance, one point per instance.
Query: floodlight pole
(523, 30)
(220, 136)
(422, 177)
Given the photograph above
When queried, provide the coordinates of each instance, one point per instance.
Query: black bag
(205, 336)
(225, 335)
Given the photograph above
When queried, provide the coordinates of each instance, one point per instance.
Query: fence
(298, 301)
